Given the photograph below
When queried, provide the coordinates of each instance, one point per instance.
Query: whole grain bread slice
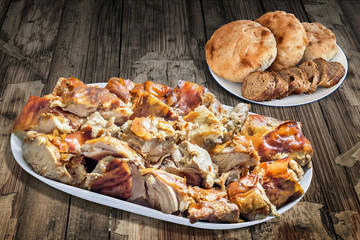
(336, 71)
(296, 83)
(281, 86)
(313, 74)
(258, 86)
(322, 66)
(305, 82)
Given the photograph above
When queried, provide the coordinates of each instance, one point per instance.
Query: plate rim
(268, 103)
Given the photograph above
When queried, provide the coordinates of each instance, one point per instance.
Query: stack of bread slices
(266, 85)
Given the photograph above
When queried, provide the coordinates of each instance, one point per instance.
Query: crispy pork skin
(166, 192)
(185, 97)
(158, 90)
(286, 140)
(147, 105)
(121, 88)
(281, 180)
(119, 178)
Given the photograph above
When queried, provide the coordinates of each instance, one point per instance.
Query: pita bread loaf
(239, 48)
(290, 37)
(322, 42)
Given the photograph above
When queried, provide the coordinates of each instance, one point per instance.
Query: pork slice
(99, 148)
(166, 192)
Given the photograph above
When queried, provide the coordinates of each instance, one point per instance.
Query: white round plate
(293, 100)
(16, 144)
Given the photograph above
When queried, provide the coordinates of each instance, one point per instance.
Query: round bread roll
(239, 48)
(322, 42)
(290, 37)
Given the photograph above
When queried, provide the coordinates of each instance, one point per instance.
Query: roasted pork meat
(211, 205)
(117, 177)
(250, 197)
(193, 162)
(206, 130)
(37, 115)
(151, 137)
(237, 153)
(178, 150)
(185, 97)
(99, 148)
(121, 88)
(156, 89)
(165, 191)
(146, 105)
(281, 180)
(48, 155)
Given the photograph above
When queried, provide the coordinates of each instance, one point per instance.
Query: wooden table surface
(164, 41)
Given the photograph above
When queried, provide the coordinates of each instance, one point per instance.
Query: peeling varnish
(344, 226)
(153, 66)
(134, 226)
(8, 225)
(303, 220)
(349, 158)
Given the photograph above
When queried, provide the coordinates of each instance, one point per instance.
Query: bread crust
(322, 42)
(290, 37)
(239, 48)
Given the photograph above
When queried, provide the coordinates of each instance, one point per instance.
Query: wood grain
(26, 46)
(164, 41)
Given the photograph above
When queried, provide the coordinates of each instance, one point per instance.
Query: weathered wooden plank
(70, 56)
(163, 31)
(104, 48)
(28, 35)
(4, 6)
(342, 109)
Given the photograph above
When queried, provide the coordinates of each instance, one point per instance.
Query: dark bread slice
(305, 82)
(296, 83)
(322, 66)
(335, 71)
(313, 74)
(258, 86)
(281, 86)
